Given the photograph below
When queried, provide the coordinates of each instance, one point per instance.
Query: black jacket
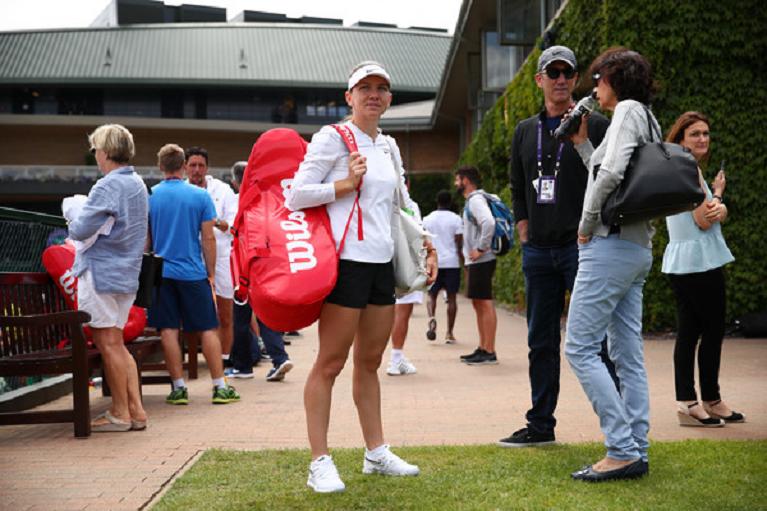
(550, 225)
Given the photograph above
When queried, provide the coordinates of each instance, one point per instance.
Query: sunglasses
(554, 73)
(596, 77)
(93, 150)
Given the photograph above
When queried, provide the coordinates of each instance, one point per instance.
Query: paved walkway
(44, 467)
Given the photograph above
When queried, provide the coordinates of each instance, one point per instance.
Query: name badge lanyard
(545, 186)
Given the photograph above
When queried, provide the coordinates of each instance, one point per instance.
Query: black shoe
(483, 358)
(473, 354)
(292, 333)
(431, 333)
(631, 471)
(527, 438)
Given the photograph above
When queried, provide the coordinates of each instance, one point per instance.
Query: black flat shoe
(633, 470)
(732, 418)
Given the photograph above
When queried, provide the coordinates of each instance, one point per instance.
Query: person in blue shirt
(108, 270)
(181, 218)
(694, 260)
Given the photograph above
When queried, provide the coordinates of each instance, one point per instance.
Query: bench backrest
(24, 294)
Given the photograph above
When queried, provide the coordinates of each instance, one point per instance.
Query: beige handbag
(409, 258)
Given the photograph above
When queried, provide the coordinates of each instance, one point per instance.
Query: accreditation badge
(547, 189)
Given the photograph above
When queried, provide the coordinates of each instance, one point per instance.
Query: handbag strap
(651, 126)
(351, 144)
(399, 198)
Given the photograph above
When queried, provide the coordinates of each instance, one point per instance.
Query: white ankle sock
(178, 384)
(219, 383)
(396, 355)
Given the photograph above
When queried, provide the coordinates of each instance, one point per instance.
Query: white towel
(71, 208)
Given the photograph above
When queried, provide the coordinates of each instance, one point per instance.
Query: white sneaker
(404, 366)
(389, 464)
(323, 476)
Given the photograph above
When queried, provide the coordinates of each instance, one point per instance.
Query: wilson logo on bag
(283, 262)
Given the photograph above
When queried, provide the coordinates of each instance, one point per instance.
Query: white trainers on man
(387, 463)
(323, 476)
(402, 366)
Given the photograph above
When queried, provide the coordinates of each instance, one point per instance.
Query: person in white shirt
(360, 309)
(225, 203)
(447, 229)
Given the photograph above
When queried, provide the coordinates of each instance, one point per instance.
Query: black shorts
(360, 284)
(448, 279)
(480, 280)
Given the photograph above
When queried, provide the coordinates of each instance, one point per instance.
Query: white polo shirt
(327, 161)
(445, 225)
(225, 202)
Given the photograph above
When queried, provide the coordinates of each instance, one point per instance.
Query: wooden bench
(34, 319)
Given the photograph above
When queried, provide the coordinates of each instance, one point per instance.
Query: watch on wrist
(721, 201)
(217, 223)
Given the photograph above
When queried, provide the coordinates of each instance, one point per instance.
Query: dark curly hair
(628, 73)
(470, 173)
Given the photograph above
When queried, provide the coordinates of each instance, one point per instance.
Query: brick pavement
(45, 467)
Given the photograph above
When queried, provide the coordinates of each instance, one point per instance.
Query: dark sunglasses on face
(554, 73)
(596, 77)
(93, 150)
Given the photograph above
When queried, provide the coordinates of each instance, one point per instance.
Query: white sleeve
(458, 224)
(230, 204)
(397, 157)
(308, 188)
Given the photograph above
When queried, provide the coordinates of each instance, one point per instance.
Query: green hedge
(707, 56)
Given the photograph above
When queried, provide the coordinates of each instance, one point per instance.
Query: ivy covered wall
(707, 55)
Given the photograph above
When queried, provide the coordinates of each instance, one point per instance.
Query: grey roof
(252, 54)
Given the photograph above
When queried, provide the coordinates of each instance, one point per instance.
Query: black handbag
(149, 277)
(661, 179)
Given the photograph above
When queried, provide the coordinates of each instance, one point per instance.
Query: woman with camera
(359, 312)
(694, 260)
(613, 263)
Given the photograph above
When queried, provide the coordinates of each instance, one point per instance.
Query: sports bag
(661, 179)
(409, 259)
(284, 262)
(503, 237)
(58, 261)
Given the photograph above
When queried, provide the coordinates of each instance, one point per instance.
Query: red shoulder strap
(351, 144)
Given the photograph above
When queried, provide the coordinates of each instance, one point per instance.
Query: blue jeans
(549, 272)
(243, 355)
(608, 298)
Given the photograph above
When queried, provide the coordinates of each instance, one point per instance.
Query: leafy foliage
(707, 56)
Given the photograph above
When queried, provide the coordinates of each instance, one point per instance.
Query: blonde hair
(115, 140)
(170, 158)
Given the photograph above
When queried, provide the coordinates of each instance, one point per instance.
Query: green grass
(691, 475)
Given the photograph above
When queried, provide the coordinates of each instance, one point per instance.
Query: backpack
(503, 238)
(283, 262)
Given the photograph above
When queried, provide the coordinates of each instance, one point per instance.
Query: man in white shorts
(225, 202)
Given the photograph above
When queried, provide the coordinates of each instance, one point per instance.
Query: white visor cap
(368, 70)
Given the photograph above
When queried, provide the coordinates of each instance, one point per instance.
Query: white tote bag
(409, 258)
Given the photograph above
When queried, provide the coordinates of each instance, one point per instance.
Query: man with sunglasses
(548, 182)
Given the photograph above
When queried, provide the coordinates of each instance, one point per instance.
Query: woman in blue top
(694, 259)
(108, 271)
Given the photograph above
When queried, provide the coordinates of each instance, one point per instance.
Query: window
(500, 63)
